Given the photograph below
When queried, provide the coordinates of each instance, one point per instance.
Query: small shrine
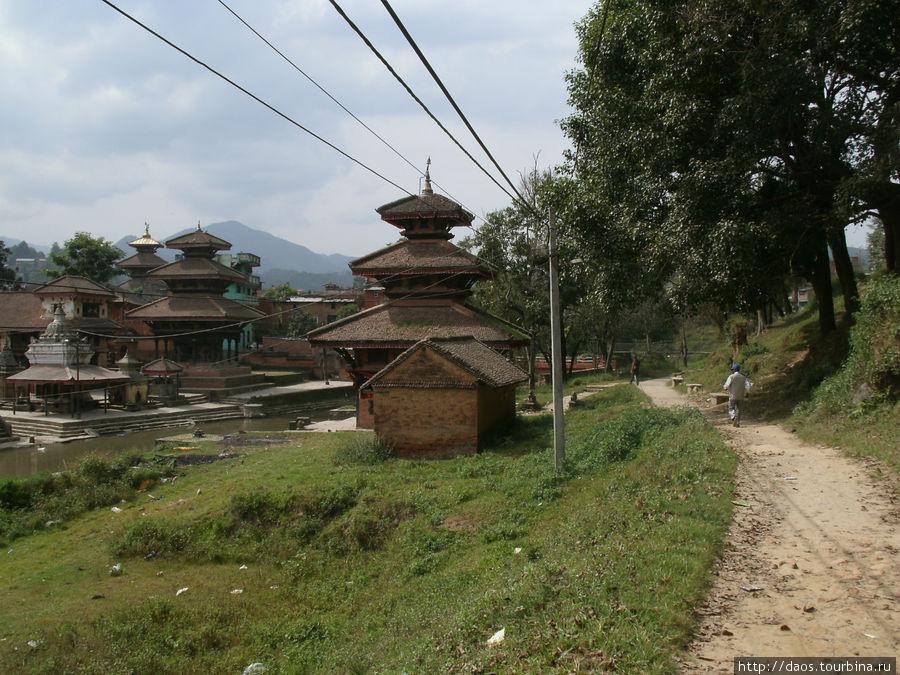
(426, 281)
(62, 375)
(443, 397)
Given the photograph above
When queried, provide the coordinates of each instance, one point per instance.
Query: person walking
(636, 370)
(738, 388)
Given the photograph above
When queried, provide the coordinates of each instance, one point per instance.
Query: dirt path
(812, 562)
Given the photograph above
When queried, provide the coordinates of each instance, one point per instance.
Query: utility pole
(559, 431)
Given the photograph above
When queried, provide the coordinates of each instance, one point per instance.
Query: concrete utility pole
(559, 431)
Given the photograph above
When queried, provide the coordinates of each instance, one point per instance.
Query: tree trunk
(683, 344)
(821, 282)
(838, 243)
(609, 355)
(889, 214)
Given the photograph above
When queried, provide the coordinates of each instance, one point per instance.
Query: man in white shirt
(738, 388)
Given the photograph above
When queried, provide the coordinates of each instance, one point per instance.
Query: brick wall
(428, 422)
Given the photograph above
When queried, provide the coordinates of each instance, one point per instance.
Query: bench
(694, 387)
(719, 397)
(676, 380)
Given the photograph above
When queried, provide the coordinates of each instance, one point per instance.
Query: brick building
(443, 397)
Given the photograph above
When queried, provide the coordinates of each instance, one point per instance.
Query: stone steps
(69, 429)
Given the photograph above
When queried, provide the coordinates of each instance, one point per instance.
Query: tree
(299, 323)
(7, 275)
(280, 292)
(349, 309)
(87, 256)
(596, 285)
(728, 136)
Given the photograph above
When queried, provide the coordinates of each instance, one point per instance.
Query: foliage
(279, 292)
(347, 310)
(363, 449)
(299, 323)
(86, 256)
(44, 500)
(595, 286)
(871, 373)
(7, 275)
(731, 140)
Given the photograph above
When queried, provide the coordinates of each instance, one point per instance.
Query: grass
(357, 562)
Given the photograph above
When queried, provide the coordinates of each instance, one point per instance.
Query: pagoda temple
(194, 324)
(139, 265)
(426, 281)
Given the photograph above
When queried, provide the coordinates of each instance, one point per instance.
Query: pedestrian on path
(636, 370)
(738, 388)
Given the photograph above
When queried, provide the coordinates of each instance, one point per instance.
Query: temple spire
(426, 190)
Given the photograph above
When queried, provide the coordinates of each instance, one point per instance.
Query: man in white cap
(738, 388)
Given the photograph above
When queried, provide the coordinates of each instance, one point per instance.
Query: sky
(103, 127)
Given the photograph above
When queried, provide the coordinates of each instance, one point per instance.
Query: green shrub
(153, 536)
(29, 504)
(874, 359)
(365, 449)
(619, 438)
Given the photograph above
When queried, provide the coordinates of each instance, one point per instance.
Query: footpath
(811, 567)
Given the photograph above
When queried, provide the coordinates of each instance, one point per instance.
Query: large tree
(87, 256)
(7, 275)
(732, 137)
(596, 284)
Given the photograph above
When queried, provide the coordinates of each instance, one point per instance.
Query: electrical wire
(339, 104)
(256, 98)
(409, 90)
(443, 88)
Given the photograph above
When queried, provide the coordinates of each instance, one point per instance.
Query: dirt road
(812, 563)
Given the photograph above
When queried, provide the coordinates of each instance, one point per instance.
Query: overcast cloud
(104, 127)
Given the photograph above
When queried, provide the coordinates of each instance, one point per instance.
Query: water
(23, 462)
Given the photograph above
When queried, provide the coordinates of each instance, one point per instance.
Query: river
(22, 462)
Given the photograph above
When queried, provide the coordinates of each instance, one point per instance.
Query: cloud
(105, 127)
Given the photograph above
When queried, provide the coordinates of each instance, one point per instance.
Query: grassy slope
(397, 565)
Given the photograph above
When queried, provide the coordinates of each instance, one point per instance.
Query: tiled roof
(144, 259)
(402, 325)
(476, 358)
(73, 285)
(417, 256)
(196, 268)
(194, 308)
(198, 239)
(21, 311)
(161, 367)
(426, 206)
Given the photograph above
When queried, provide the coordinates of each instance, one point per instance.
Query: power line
(399, 79)
(254, 96)
(440, 84)
(335, 100)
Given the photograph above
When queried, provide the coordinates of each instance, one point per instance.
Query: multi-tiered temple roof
(426, 281)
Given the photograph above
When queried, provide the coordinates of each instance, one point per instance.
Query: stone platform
(274, 401)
